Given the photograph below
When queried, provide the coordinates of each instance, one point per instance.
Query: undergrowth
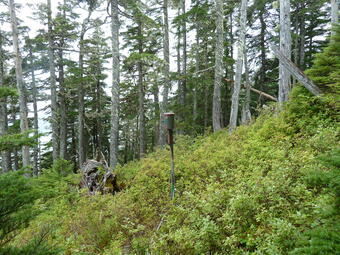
(266, 189)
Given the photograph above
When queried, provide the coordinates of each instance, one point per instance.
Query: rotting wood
(97, 177)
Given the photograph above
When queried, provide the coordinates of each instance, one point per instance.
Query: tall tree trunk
(302, 43)
(263, 50)
(166, 72)
(197, 68)
(98, 118)
(157, 115)
(285, 48)
(239, 67)
(5, 155)
(184, 66)
(35, 110)
(62, 97)
(20, 83)
(334, 13)
(62, 109)
(246, 114)
(54, 107)
(141, 95)
(81, 112)
(216, 112)
(15, 151)
(179, 68)
(115, 85)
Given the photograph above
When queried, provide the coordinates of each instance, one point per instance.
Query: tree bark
(141, 95)
(35, 110)
(334, 13)
(239, 66)
(54, 107)
(216, 112)
(15, 151)
(62, 98)
(197, 68)
(20, 83)
(184, 66)
(115, 85)
(166, 72)
(81, 112)
(302, 43)
(285, 48)
(246, 114)
(5, 155)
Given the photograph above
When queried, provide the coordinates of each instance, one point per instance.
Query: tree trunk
(216, 113)
(239, 66)
(197, 68)
(184, 66)
(115, 85)
(302, 44)
(141, 95)
(35, 110)
(334, 13)
(5, 155)
(81, 112)
(246, 114)
(54, 107)
(62, 103)
(285, 48)
(157, 115)
(62, 98)
(166, 72)
(20, 84)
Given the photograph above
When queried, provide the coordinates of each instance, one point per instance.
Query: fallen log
(97, 177)
(296, 72)
(261, 93)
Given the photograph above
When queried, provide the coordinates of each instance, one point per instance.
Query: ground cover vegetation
(257, 151)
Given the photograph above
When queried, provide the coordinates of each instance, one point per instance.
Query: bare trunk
(335, 13)
(35, 110)
(285, 48)
(62, 103)
(166, 72)
(263, 50)
(184, 66)
(54, 108)
(246, 114)
(157, 115)
(62, 98)
(302, 44)
(20, 83)
(115, 85)
(216, 112)
(81, 112)
(5, 155)
(141, 95)
(239, 67)
(197, 68)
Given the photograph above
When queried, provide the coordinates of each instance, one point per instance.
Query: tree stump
(97, 177)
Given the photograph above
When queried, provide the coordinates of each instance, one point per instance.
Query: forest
(91, 161)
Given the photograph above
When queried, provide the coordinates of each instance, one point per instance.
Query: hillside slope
(260, 190)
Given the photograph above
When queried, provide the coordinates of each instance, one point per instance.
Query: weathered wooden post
(170, 125)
